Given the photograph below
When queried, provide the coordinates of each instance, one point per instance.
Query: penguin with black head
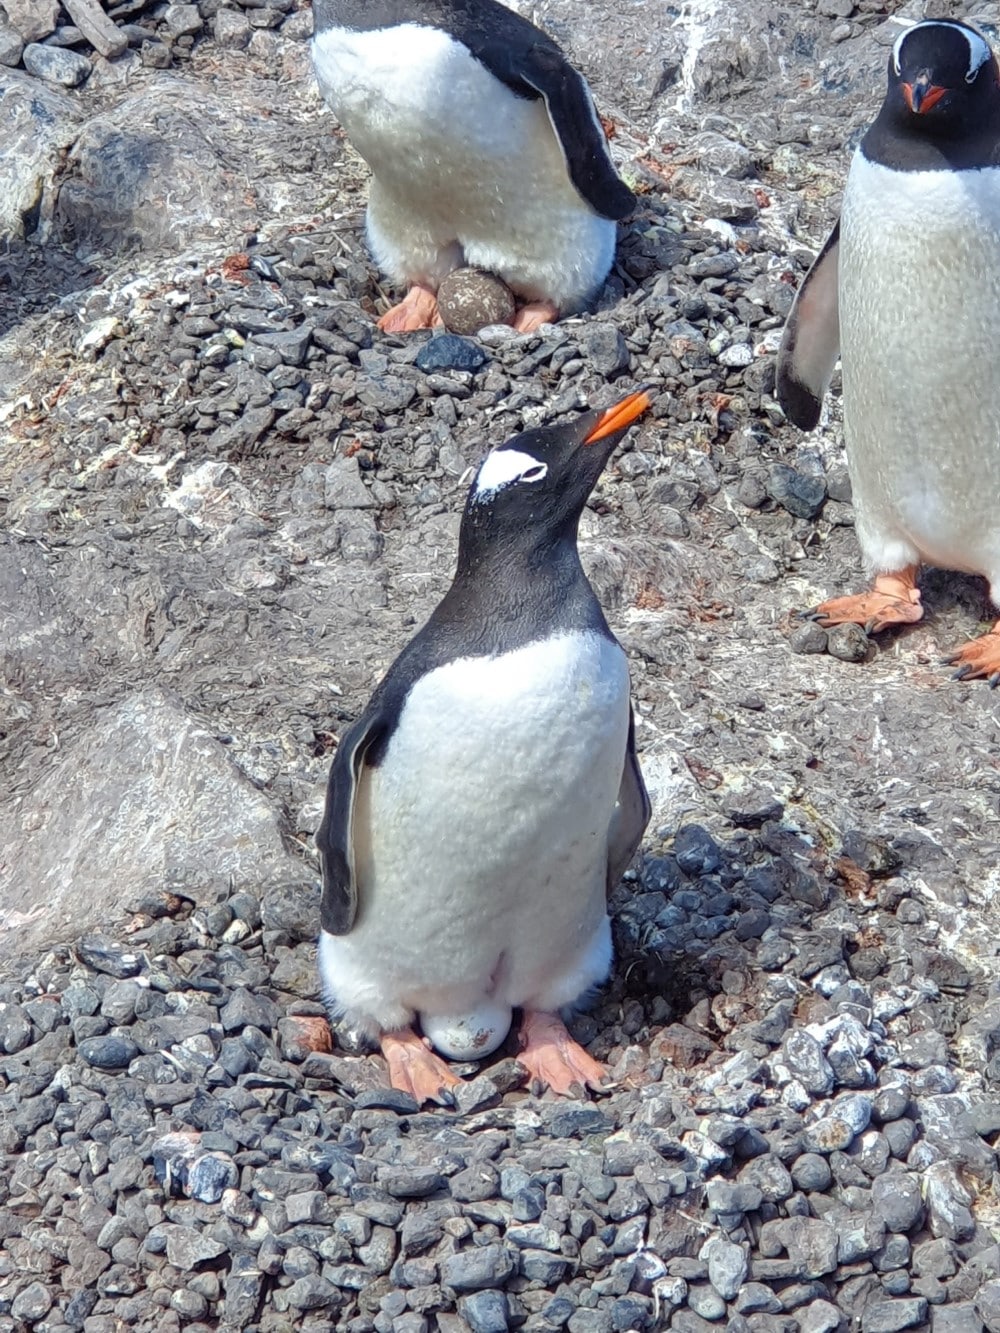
(485, 150)
(489, 797)
(907, 292)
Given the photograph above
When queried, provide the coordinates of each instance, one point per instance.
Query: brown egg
(469, 299)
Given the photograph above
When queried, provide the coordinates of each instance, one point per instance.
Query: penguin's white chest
(420, 108)
(920, 324)
(481, 837)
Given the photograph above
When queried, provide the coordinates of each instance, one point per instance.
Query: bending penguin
(489, 797)
(907, 290)
(484, 146)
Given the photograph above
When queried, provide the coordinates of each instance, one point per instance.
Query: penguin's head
(534, 486)
(943, 78)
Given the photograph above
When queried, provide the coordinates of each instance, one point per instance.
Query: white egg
(470, 1036)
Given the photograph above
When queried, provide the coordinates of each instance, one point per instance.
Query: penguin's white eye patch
(505, 467)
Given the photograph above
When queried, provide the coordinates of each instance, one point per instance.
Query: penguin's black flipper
(335, 836)
(632, 811)
(811, 341)
(545, 70)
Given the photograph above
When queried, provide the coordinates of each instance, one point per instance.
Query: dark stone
(448, 351)
(801, 494)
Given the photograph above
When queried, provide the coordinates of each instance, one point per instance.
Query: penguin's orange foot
(893, 600)
(553, 1059)
(979, 659)
(533, 315)
(417, 310)
(414, 1068)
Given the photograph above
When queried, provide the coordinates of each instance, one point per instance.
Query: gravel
(221, 483)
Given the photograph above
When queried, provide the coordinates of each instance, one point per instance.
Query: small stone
(811, 1172)
(847, 642)
(313, 1292)
(33, 19)
(108, 1052)
(446, 351)
(15, 1029)
(948, 1203)
(987, 1305)
(605, 349)
(819, 1317)
(696, 851)
(102, 954)
(485, 1312)
(803, 1056)
(478, 1268)
(187, 1248)
(56, 64)
(182, 20)
(727, 1265)
(32, 1304)
(705, 1301)
(387, 1099)
(410, 1182)
(891, 1316)
(470, 299)
(755, 1298)
(960, 1318)
(896, 1200)
(231, 31)
(11, 46)
(808, 638)
(800, 493)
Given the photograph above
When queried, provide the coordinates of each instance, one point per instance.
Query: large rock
(144, 799)
(37, 124)
(166, 168)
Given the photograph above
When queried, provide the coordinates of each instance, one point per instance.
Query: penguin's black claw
(446, 1098)
(964, 670)
(994, 680)
(813, 615)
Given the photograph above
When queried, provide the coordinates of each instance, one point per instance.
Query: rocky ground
(228, 500)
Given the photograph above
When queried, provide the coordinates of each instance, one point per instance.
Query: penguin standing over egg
(907, 291)
(485, 151)
(489, 798)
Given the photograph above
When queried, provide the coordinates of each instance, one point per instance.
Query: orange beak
(921, 96)
(620, 416)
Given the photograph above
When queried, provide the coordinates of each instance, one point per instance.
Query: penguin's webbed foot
(414, 1068)
(979, 659)
(894, 599)
(533, 315)
(417, 310)
(553, 1059)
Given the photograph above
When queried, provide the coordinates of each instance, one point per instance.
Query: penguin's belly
(451, 147)
(920, 324)
(481, 837)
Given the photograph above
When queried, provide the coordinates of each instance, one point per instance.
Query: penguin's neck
(514, 592)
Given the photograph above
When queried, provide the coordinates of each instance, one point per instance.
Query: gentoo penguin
(489, 797)
(484, 147)
(907, 288)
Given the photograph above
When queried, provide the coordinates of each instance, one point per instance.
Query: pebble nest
(803, 1025)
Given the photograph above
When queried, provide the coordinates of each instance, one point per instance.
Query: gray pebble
(848, 642)
(728, 1265)
(890, 1316)
(108, 1052)
(896, 1200)
(56, 64)
(477, 1269)
(808, 637)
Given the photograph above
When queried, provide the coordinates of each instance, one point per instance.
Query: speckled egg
(470, 1036)
(470, 298)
